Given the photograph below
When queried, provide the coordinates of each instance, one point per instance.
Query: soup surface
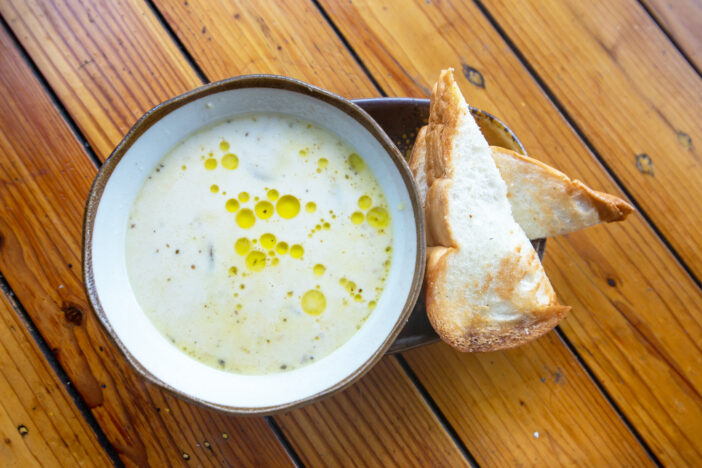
(259, 244)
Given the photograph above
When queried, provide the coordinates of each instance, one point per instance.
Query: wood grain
(44, 179)
(189, 21)
(180, 418)
(518, 394)
(683, 21)
(633, 95)
(39, 423)
(358, 427)
(635, 317)
(286, 38)
(108, 61)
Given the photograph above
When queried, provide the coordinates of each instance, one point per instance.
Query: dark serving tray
(401, 118)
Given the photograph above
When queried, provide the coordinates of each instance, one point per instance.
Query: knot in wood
(72, 313)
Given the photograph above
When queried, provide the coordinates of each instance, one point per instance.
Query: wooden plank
(642, 115)
(39, 423)
(517, 394)
(394, 435)
(683, 22)
(105, 84)
(286, 38)
(613, 440)
(380, 421)
(44, 179)
(635, 317)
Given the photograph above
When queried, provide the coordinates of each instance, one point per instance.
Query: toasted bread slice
(545, 202)
(486, 288)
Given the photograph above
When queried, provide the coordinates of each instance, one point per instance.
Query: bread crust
(464, 320)
(609, 207)
(565, 195)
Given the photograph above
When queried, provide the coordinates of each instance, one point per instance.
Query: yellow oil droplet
(304, 151)
(322, 163)
(371, 305)
(264, 209)
(319, 269)
(343, 281)
(271, 253)
(288, 206)
(231, 205)
(296, 251)
(365, 202)
(356, 162)
(318, 227)
(230, 161)
(268, 241)
(242, 246)
(245, 218)
(238, 306)
(273, 195)
(183, 167)
(350, 286)
(378, 217)
(357, 298)
(275, 261)
(326, 226)
(243, 197)
(224, 145)
(214, 188)
(282, 248)
(388, 249)
(232, 271)
(356, 217)
(314, 302)
(255, 261)
(210, 163)
(311, 207)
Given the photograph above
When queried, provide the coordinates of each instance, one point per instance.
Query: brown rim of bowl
(251, 81)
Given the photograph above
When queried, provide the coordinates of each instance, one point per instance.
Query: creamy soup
(260, 244)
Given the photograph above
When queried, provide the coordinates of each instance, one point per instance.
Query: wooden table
(608, 91)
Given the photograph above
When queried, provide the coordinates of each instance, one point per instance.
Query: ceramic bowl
(120, 179)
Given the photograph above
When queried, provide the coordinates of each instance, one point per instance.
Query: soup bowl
(119, 181)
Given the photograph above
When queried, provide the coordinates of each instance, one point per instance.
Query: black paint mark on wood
(644, 164)
(474, 76)
(685, 140)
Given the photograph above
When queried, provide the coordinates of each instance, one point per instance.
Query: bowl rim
(250, 81)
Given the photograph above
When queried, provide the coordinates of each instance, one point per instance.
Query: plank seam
(272, 423)
(670, 37)
(287, 446)
(428, 400)
(176, 40)
(59, 371)
(566, 341)
(350, 49)
(437, 412)
(449, 429)
(52, 95)
(584, 139)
